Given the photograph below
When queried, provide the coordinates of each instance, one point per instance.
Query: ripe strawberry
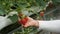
(23, 21)
(26, 18)
(41, 13)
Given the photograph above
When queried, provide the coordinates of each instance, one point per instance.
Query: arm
(53, 26)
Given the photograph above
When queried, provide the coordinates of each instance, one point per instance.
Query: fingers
(27, 24)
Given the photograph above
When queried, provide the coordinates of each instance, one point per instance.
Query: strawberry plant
(18, 10)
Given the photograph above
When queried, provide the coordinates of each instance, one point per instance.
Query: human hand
(31, 22)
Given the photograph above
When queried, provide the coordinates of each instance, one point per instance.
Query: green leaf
(2, 12)
(13, 18)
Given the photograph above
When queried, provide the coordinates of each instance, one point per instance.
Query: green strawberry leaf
(2, 12)
(14, 18)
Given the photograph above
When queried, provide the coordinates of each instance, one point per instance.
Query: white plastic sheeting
(4, 22)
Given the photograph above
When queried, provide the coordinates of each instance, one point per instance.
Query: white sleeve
(52, 26)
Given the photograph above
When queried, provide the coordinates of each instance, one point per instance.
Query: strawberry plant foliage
(7, 6)
(14, 18)
(18, 5)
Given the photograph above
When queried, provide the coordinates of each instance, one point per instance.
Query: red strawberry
(41, 13)
(26, 18)
(23, 21)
